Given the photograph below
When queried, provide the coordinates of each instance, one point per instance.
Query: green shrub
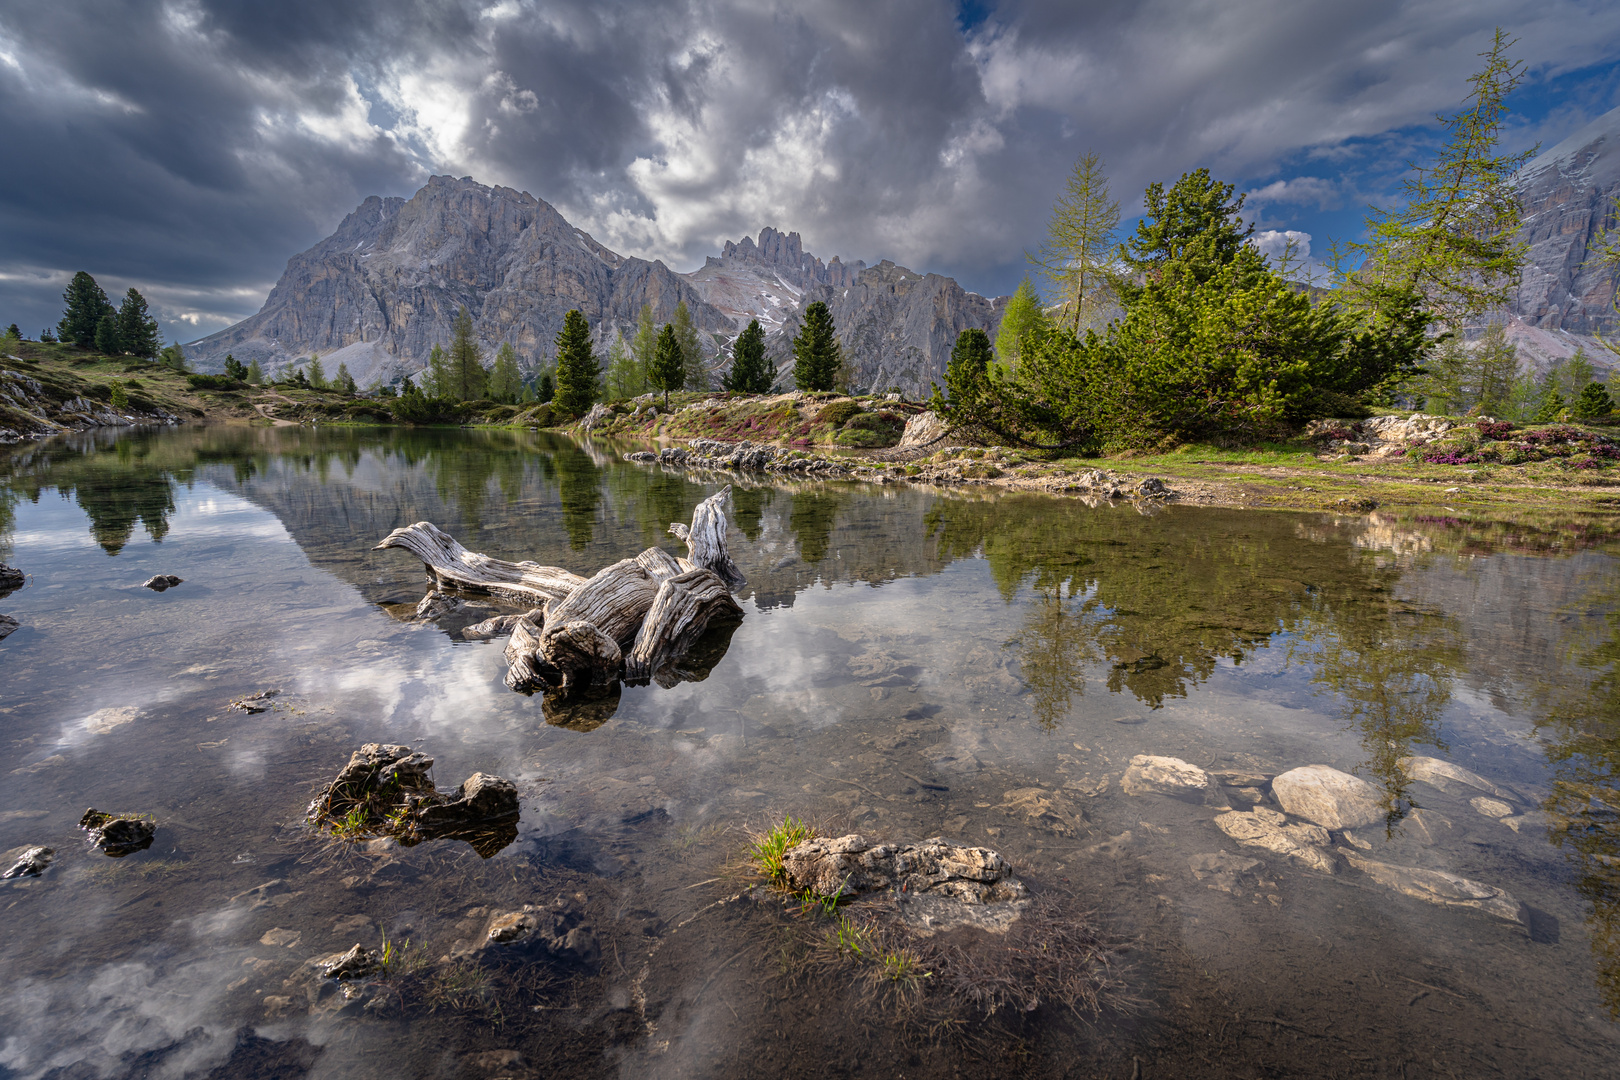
(838, 413)
(213, 382)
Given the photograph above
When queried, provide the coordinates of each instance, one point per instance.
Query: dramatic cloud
(189, 147)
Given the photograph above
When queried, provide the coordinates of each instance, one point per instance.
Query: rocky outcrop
(383, 289)
(31, 409)
(1568, 195)
(851, 865)
(11, 579)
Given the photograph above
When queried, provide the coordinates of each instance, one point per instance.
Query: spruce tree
(548, 388)
(13, 332)
(137, 330)
(577, 368)
(107, 339)
(315, 373)
(86, 306)
(697, 376)
(234, 368)
(255, 374)
(668, 371)
(1592, 402)
(750, 372)
(816, 356)
(505, 380)
(467, 374)
(343, 382)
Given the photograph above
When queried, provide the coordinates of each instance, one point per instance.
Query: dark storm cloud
(189, 148)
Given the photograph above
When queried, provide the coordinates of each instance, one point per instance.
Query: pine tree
(234, 368)
(1022, 319)
(173, 357)
(505, 380)
(1455, 241)
(816, 356)
(548, 388)
(137, 330)
(644, 346)
(343, 382)
(255, 374)
(1552, 407)
(436, 380)
(750, 372)
(1593, 402)
(1079, 242)
(315, 373)
(1193, 225)
(468, 378)
(86, 306)
(969, 366)
(13, 333)
(107, 339)
(668, 371)
(697, 376)
(577, 367)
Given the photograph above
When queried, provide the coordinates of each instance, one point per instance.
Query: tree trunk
(706, 539)
(454, 566)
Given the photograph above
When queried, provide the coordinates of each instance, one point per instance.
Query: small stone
(1043, 809)
(357, 963)
(1261, 829)
(254, 703)
(26, 862)
(1448, 777)
(11, 579)
(1226, 872)
(117, 835)
(1442, 888)
(278, 937)
(1151, 775)
(160, 582)
(1328, 797)
(1491, 808)
(1251, 795)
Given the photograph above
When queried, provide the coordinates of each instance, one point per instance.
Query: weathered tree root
(630, 621)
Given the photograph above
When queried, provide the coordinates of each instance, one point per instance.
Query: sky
(188, 148)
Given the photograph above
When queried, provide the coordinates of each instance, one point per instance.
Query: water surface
(912, 663)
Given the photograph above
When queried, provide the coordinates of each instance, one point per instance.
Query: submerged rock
(1226, 872)
(851, 865)
(1442, 888)
(254, 703)
(118, 834)
(160, 582)
(1491, 808)
(387, 790)
(1268, 830)
(556, 930)
(7, 625)
(1328, 797)
(1452, 779)
(11, 579)
(1044, 809)
(1151, 775)
(27, 862)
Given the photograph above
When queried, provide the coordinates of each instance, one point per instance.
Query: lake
(911, 663)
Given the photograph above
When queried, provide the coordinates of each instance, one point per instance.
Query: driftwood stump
(629, 621)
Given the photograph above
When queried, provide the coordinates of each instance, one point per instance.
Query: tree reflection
(1054, 648)
(811, 519)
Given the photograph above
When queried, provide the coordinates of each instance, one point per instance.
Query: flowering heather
(1450, 459)
(1489, 430)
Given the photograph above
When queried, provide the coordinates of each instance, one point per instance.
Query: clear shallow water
(911, 664)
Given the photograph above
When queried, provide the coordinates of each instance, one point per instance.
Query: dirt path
(264, 411)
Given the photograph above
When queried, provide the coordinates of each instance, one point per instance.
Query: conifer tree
(343, 382)
(468, 378)
(623, 378)
(1454, 241)
(750, 372)
(436, 380)
(816, 356)
(107, 340)
(1023, 318)
(234, 368)
(577, 367)
(1574, 374)
(86, 306)
(255, 374)
(1079, 243)
(13, 333)
(137, 330)
(1592, 402)
(1193, 226)
(315, 372)
(644, 346)
(548, 388)
(174, 358)
(505, 380)
(668, 371)
(697, 376)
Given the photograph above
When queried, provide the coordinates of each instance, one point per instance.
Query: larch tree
(1024, 317)
(437, 380)
(343, 382)
(255, 374)
(816, 356)
(622, 377)
(577, 367)
(466, 361)
(505, 379)
(1076, 256)
(668, 371)
(697, 376)
(1454, 240)
(315, 372)
(644, 345)
(751, 372)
